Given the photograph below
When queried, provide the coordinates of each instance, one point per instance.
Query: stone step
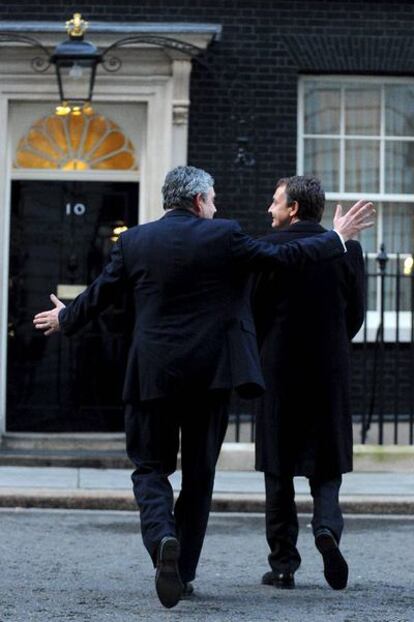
(85, 441)
(105, 451)
(76, 459)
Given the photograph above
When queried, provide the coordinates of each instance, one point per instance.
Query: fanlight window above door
(75, 143)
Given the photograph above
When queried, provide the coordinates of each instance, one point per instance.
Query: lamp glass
(76, 80)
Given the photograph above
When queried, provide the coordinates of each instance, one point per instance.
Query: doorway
(61, 237)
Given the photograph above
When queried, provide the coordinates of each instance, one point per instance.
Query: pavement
(91, 566)
(234, 491)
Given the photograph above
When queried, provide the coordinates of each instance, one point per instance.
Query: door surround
(156, 78)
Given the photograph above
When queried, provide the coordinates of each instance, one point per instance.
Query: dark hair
(309, 194)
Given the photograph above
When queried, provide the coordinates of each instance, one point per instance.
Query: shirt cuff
(341, 237)
(60, 316)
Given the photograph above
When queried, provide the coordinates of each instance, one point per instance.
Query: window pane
(398, 227)
(322, 109)
(368, 240)
(362, 110)
(322, 160)
(362, 165)
(399, 110)
(399, 167)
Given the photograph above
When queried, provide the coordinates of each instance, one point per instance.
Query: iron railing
(382, 388)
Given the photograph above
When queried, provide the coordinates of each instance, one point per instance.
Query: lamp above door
(76, 61)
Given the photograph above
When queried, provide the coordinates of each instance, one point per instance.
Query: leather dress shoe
(334, 563)
(282, 580)
(168, 582)
(188, 591)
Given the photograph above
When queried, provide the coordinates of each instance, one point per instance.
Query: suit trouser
(282, 525)
(153, 431)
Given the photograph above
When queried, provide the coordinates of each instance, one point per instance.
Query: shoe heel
(170, 550)
(325, 543)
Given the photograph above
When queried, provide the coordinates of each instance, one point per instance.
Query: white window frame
(373, 317)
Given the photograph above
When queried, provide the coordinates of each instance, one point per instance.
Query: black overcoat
(305, 320)
(193, 325)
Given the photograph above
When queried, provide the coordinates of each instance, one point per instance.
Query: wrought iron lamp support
(40, 64)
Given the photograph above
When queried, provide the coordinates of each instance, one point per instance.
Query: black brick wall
(265, 45)
(384, 376)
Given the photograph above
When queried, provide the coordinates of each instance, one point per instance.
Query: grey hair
(182, 184)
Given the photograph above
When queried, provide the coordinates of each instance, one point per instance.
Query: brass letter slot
(69, 292)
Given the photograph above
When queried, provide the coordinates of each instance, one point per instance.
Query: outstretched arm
(100, 294)
(257, 255)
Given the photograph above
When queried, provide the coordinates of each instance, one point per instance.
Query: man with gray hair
(193, 342)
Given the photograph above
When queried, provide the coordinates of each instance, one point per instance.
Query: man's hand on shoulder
(48, 321)
(360, 216)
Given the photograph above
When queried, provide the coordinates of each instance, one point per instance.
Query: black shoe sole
(168, 582)
(335, 566)
(284, 584)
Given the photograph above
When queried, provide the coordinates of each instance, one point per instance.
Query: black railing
(382, 390)
(386, 354)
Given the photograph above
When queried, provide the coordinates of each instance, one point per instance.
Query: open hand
(48, 321)
(358, 217)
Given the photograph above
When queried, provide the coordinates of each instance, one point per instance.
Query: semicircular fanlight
(75, 142)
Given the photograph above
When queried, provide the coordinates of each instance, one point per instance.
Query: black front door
(61, 237)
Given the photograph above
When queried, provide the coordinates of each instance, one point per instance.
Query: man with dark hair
(307, 192)
(193, 341)
(305, 319)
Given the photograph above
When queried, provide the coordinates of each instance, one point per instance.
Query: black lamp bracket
(40, 64)
(113, 63)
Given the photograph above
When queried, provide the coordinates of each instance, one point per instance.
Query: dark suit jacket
(305, 321)
(193, 322)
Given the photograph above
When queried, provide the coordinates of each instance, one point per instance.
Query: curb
(222, 502)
